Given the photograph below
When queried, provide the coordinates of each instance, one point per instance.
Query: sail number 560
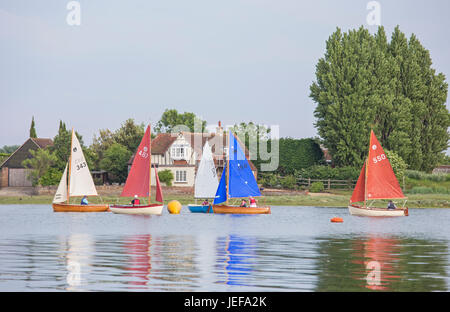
(379, 158)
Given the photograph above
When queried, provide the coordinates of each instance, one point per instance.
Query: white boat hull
(377, 212)
(145, 210)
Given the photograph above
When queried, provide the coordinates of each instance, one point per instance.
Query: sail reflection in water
(139, 263)
(382, 264)
(79, 250)
(236, 256)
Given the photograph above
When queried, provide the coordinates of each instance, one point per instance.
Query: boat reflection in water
(139, 263)
(378, 258)
(79, 251)
(235, 259)
(382, 263)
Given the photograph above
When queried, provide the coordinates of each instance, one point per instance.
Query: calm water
(293, 249)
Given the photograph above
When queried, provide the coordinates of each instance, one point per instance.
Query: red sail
(138, 177)
(381, 180)
(358, 192)
(159, 196)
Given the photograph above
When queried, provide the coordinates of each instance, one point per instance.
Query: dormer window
(178, 151)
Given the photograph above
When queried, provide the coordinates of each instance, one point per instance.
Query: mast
(70, 166)
(228, 165)
(367, 170)
(365, 183)
(150, 167)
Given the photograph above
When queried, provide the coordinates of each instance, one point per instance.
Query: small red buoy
(337, 219)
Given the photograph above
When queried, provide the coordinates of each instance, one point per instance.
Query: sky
(233, 61)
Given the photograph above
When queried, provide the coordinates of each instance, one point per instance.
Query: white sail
(61, 192)
(80, 179)
(206, 182)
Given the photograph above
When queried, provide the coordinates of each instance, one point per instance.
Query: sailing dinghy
(237, 181)
(79, 183)
(139, 182)
(206, 182)
(376, 181)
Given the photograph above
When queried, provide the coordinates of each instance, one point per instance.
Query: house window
(178, 152)
(180, 176)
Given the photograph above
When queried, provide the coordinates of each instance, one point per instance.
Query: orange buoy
(337, 219)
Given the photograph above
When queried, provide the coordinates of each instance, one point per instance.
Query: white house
(181, 153)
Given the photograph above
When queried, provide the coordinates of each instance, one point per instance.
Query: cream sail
(61, 192)
(80, 179)
(206, 181)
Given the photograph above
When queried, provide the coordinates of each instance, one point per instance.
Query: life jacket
(252, 201)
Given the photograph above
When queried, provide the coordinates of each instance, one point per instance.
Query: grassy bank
(335, 199)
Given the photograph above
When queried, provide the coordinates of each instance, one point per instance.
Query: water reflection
(86, 262)
(78, 250)
(139, 263)
(235, 258)
(382, 263)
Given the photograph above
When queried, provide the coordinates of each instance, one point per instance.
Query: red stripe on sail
(358, 192)
(381, 180)
(159, 195)
(138, 179)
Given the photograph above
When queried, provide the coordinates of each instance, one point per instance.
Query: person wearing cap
(135, 200)
(252, 201)
(84, 200)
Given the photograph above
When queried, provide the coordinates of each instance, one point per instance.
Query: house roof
(42, 142)
(163, 141)
(23, 152)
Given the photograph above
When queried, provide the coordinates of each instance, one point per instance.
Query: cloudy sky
(228, 60)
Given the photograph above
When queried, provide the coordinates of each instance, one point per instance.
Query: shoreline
(301, 200)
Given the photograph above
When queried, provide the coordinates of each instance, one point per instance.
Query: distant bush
(419, 175)
(51, 177)
(428, 190)
(316, 187)
(289, 182)
(397, 163)
(166, 176)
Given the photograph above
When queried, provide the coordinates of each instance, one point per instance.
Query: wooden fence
(328, 183)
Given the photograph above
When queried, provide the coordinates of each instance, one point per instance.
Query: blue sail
(221, 193)
(242, 181)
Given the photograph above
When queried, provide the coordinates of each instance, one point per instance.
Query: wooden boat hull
(241, 210)
(61, 207)
(377, 212)
(200, 208)
(152, 209)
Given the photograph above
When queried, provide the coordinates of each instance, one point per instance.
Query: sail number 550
(379, 158)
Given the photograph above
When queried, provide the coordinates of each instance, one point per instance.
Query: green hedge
(327, 172)
(295, 154)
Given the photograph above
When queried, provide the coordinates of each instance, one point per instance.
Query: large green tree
(40, 163)
(365, 82)
(115, 161)
(172, 118)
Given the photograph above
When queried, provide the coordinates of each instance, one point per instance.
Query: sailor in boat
(84, 200)
(135, 200)
(205, 202)
(252, 201)
(391, 205)
(243, 203)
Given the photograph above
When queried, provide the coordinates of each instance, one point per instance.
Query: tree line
(366, 82)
